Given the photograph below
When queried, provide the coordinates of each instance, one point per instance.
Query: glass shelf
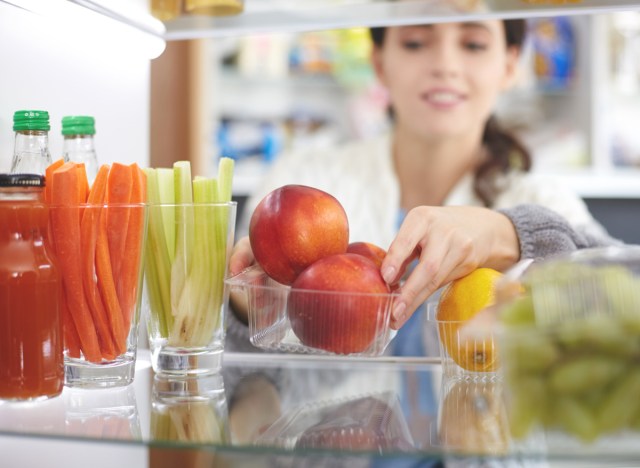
(287, 409)
(261, 16)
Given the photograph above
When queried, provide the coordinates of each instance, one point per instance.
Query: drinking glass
(187, 256)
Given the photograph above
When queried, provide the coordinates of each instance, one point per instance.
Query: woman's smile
(443, 98)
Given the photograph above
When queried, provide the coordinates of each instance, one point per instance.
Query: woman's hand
(448, 243)
(241, 258)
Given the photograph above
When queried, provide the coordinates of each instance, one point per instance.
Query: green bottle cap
(31, 120)
(78, 125)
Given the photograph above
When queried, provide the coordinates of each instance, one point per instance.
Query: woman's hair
(505, 150)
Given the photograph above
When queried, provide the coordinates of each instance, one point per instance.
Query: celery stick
(166, 192)
(194, 297)
(157, 263)
(225, 179)
(208, 306)
(184, 248)
(218, 232)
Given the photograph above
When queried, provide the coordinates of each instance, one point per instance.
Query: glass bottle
(78, 145)
(31, 344)
(31, 148)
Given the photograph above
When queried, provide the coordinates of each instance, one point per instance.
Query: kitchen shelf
(262, 16)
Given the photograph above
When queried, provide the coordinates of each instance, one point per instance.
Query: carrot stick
(83, 183)
(71, 338)
(108, 288)
(88, 237)
(129, 278)
(48, 178)
(119, 188)
(66, 233)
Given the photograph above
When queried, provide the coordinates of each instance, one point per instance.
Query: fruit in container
(367, 249)
(293, 227)
(571, 334)
(460, 301)
(473, 418)
(339, 304)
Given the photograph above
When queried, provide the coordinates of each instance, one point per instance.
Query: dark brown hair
(505, 150)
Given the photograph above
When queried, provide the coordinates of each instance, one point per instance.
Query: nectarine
(338, 304)
(295, 225)
(367, 249)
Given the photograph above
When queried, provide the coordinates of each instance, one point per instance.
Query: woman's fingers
(405, 247)
(241, 256)
(419, 285)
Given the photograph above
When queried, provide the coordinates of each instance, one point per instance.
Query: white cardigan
(362, 177)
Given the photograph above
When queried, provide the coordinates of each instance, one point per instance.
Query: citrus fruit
(460, 301)
(473, 418)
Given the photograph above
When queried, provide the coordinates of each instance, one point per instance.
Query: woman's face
(443, 79)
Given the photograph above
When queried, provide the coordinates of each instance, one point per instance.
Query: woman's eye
(412, 44)
(475, 46)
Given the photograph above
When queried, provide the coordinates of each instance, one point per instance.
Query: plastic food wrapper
(368, 423)
(341, 323)
(569, 345)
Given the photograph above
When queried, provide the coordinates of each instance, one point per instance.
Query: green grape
(621, 403)
(594, 398)
(621, 288)
(526, 403)
(519, 312)
(605, 333)
(583, 374)
(575, 418)
(530, 351)
(631, 322)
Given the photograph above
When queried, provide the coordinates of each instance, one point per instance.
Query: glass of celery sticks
(189, 239)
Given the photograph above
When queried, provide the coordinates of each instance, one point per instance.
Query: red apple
(366, 249)
(294, 226)
(338, 304)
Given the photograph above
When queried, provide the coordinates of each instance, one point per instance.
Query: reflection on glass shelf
(105, 414)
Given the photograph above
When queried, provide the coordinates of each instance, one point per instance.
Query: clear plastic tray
(369, 423)
(355, 324)
(570, 346)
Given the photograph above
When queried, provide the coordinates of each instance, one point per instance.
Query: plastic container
(365, 423)
(355, 324)
(570, 346)
(466, 352)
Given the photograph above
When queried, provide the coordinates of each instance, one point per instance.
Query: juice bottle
(31, 148)
(31, 347)
(78, 145)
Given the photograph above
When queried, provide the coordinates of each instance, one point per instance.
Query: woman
(438, 189)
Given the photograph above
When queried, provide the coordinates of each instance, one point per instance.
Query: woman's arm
(450, 242)
(543, 233)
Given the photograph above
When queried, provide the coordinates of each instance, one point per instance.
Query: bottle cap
(31, 120)
(78, 125)
(21, 180)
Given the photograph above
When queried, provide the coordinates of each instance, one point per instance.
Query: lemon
(474, 419)
(460, 301)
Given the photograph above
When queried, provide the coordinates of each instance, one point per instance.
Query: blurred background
(576, 104)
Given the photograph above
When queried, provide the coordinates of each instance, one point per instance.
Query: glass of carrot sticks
(97, 233)
(189, 239)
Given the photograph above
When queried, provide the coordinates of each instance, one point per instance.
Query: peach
(294, 226)
(367, 249)
(338, 304)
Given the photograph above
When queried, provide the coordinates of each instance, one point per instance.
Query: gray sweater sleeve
(543, 233)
